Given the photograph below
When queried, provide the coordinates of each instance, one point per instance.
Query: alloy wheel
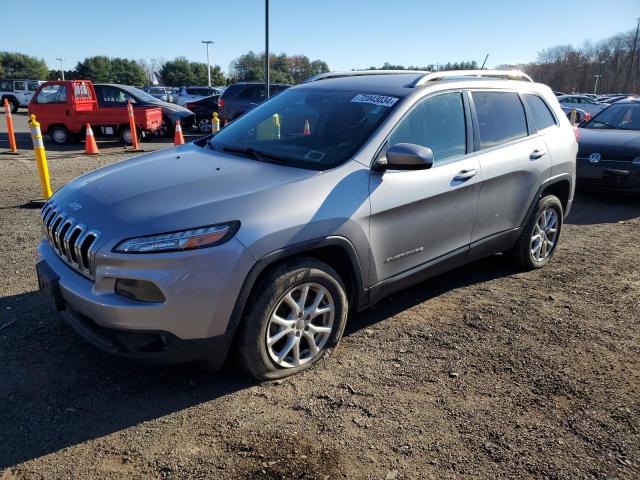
(300, 325)
(545, 235)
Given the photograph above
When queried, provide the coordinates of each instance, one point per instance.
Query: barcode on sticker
(374, 99)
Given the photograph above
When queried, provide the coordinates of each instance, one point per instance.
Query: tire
(290, 279)
(59, 134)
(165, 130)
(126, 137)
(533, 250)
(13, 104)
(204, 125)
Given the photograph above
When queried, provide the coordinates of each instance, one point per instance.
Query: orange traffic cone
(307, 130)
(90, 146)
(178, 139)
(587, 117)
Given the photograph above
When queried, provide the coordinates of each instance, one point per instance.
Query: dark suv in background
(243, 96)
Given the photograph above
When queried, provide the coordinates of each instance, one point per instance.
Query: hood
(172, 189)
(610, 143)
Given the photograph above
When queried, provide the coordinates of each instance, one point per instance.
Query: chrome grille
(73, 242)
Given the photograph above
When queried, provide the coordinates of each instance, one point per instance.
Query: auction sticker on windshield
(375, 99)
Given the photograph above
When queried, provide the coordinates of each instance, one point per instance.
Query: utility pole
(597, 77)
(61, 67)
(266, 48)
(633, 56)
(207, 43)
(485, 61)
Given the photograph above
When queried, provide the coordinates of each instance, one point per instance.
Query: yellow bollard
(276, 126)
(215, 123)
(41, 156)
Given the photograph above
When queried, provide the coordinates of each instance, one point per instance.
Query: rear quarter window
(501, 117)
(542, 116)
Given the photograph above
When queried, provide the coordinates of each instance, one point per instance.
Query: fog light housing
(140, 290)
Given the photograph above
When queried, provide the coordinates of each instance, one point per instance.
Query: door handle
(538, 153)
(464, 175)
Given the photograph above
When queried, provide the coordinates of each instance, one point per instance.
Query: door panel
(511, 178)
(418, 216)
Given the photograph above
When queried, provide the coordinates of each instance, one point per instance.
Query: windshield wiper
(258, 155)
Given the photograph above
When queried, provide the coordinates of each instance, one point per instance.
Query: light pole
(597, 77)
(266, 48)
(207, 43)
(633, 56)
(61, 68)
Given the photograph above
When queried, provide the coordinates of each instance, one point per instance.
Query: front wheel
(539, 238)
(296, 317)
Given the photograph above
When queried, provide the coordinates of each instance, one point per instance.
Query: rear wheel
(296, 317)
(13, 104)
(539, 238)
(165, 129)
(204, 125)
(126, 137)
(59, 134)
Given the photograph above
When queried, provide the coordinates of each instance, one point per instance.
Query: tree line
(177, 72)
(570, 69)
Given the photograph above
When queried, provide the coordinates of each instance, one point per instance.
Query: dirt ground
(484, 372)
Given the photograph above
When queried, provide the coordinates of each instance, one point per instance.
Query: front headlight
(201, 237)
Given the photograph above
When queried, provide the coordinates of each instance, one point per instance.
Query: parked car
(609, 149)
(323, 200)
(18, 92)
(116, 96)
(191, 94)
(243, 96)
(161, 93)
(582, 102)
(63, 109)
(203, 110)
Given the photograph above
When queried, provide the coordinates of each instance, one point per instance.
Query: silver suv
(318, 202)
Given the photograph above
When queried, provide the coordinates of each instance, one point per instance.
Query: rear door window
(19, 86)
(542, 116)
(501, 117)
(437, 123)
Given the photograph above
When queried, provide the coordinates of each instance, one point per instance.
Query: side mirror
(406, 156)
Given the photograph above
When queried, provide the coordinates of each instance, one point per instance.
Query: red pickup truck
(64, 108)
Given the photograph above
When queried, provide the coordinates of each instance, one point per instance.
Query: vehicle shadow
(591, 208)
(57, 391)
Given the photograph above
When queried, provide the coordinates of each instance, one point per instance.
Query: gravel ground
(484, 372)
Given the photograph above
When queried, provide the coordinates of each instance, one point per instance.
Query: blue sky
(346, 34)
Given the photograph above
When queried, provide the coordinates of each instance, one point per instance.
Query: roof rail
(498, 74)
(357, 73)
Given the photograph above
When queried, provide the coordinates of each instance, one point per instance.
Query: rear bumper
(606, 175)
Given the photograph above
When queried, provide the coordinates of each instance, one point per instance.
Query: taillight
(576, 132)
(220, 103)
(190, 105)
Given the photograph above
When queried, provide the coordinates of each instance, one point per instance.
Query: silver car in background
(318, 202)
(582, 102)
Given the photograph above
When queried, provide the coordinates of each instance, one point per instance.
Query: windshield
(618, 116)
(306, 127)
(157, 90)
(140, 95)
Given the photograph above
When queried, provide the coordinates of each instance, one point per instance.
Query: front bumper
(200, 289)
(608, 175)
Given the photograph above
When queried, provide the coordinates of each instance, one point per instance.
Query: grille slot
(73, 242)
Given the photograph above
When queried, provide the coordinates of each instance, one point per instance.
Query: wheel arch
(558, 185)
(338, 252)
